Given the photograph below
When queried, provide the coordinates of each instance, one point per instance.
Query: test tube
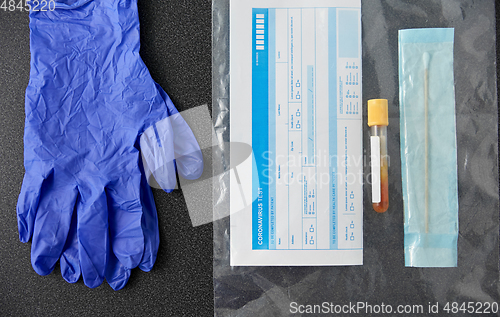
(378, 120)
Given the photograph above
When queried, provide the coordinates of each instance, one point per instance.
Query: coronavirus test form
(295, 97)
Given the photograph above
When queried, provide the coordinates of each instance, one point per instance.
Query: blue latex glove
(89, 99)
(117, 275)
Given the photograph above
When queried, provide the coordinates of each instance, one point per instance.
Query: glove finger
(92, 231)
(125, 213)
(52, 224)
(149, 224)
(158, 154)
(117, 275)
(27, 205)
(189, 160)
(188, 157)
(70, 261)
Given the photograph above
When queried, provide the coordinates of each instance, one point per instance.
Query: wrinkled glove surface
(89, 99)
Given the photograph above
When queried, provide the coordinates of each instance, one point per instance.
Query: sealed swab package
(428, 147)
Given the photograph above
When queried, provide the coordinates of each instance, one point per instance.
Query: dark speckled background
(176, 46)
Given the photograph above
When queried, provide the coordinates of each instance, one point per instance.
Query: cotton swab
(426, 59)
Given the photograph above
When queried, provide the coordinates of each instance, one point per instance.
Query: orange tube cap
(378, 112)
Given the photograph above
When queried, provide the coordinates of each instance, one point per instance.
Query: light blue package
(430, 192)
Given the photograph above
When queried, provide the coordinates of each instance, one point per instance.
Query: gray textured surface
(175, 45)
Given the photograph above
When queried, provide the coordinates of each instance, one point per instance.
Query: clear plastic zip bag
(383, 281)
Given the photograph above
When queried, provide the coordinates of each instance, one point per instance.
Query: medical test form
(295, 93)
